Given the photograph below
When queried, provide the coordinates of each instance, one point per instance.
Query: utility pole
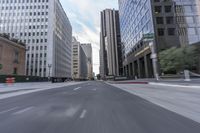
(49, 66)
(1, 66)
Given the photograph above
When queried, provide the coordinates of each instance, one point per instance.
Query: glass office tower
(165, 23)
(136, 22)
(191, 10)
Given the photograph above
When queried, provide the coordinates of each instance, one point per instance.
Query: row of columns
(140, 68)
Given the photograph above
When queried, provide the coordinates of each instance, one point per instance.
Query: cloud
(84, 16)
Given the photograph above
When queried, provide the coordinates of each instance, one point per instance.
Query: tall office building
(163, 23)
(79, 61)
(191, 17)
(110, 44)
(44, 27)
(87, 48)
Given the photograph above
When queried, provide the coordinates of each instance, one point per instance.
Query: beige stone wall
(12, 55)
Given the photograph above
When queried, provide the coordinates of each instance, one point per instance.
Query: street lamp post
(154, 58)
(1, 66)
(49, 66)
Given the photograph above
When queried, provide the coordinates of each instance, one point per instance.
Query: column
(146, 67)
(139, 68)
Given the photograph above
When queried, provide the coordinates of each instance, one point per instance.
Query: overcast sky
(84, 16)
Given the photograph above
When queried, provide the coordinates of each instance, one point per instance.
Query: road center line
(22, 111)
(6, 111)
(83, 114)
(77, 88)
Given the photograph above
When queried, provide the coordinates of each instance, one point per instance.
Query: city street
(89, 107)
(97, 66)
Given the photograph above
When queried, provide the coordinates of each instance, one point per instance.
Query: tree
(175, 60)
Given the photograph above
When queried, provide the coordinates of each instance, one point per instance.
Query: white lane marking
(72, 111)
(94, 89)
(83, 114)
(22, 111)
(77, 88)
(6, 111)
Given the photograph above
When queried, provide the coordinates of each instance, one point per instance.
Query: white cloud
(85, 18)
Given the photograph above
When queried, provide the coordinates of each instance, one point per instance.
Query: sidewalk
(23, 86)
(162, 82)
(16, 89)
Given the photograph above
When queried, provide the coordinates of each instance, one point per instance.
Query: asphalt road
(91, 107)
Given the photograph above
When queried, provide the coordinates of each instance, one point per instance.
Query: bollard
(13, 80)
(187, 75)
(10, 81)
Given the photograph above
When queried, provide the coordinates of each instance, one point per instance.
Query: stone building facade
(12, 57)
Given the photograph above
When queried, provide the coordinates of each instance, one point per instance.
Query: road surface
(91, 107)
(183, 100)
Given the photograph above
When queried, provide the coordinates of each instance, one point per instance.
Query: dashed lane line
(77, 88)
(83, 114)
(9, 110)
(23, 111)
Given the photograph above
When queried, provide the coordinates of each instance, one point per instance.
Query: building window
(171, 31)
(191, 31)
(169, 20)
(168, 9)
(158, 9)
(15, 71)
(190, 20)
(16, 57)
(159, 20)
(27, 70)
(188, 8)
(1, 51)
(161, 32)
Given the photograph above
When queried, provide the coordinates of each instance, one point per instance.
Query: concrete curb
(174, 85)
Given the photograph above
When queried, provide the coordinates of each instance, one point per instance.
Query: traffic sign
(148, 36)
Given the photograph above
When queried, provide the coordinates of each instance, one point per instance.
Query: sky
(84, 16)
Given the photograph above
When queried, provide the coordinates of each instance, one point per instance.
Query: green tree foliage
(175, 60)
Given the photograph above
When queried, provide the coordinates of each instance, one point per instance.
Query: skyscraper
(163, 23)
(79, 61)
(45, 28)
(190, 10)
(110, 44)
(87, 48)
